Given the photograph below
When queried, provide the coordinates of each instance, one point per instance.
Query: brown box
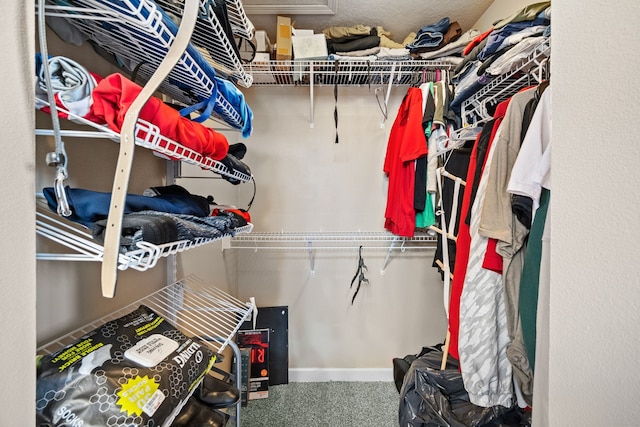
(283, 38)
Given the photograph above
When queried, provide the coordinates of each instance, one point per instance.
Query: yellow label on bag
(140, 394)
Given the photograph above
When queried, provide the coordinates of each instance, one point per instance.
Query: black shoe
(196, 414)
(233, 164)
(216, 393)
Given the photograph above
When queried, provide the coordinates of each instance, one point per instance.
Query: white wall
(306, 182)
(17, 263)
(594, 300)
(497, 10)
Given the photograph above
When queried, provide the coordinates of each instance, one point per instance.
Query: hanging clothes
(529, 176)
(497, 221)
(483, 335)
(406, 143)
(476, 164)
(457, 164)
(423, 204)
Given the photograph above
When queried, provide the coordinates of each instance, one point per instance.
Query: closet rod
(109, 273)
(331, 239)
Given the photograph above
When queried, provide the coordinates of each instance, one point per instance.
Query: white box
(263, 44)
(310, 47)
(299, 32)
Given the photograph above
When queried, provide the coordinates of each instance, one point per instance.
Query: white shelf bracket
(311, 114)
(386, 98)
(391, 247)
(311, 260)
(109, 274)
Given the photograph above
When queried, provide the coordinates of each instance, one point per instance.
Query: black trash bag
(401, 365)
(431, 397)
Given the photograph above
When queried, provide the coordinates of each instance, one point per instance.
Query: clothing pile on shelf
(139, 40)
(498, 50)
(443, 41)
(161, 215)
(105, 101)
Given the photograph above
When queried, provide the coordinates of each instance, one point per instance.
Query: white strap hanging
(127, 145)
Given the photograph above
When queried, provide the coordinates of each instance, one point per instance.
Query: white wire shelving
(328, 240)
(136, 33)
(147, 135)
(474, 109)
(240, 23)
(192, 305)
(356, 72)
(211, 39)
(80, 245)
(333, 240)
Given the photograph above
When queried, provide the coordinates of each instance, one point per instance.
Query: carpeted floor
(325, 404)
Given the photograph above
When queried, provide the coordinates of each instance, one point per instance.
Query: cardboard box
(258, 341)
(310, 47)
(283, 39)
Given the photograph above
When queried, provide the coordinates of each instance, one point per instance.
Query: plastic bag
(431, 397)
(137, 370)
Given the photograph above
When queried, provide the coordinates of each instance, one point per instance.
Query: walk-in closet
(170, 173)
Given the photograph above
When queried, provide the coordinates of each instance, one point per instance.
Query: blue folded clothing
(89, 206)
(430, 35)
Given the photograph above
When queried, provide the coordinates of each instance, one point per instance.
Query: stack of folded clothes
(442, 40)
(501, 49)
(363, 42)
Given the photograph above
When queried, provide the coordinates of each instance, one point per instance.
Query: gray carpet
(325, 404)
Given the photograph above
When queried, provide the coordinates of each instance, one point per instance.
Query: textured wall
(497, 10)
(17, 272)
(399, 17)
(594, 300)
(306, 182)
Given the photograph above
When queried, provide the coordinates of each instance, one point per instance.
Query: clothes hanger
(362, 267)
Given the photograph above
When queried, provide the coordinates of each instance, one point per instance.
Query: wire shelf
(331, 240)
(474, 109)
(191, 305)
(212, 41)
(135, 32)
(75, 237)
(148, 136)
(350, 72)
(240, 23)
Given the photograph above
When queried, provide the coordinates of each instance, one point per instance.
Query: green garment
(530, 280)
(427, 217)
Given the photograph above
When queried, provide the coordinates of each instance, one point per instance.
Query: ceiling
(400, 17)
